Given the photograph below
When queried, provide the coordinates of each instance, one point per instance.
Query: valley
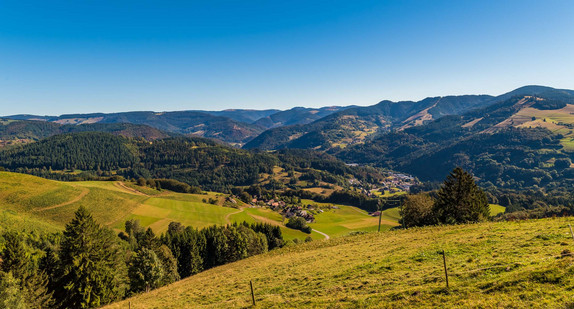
(31, 199)
(295, 205)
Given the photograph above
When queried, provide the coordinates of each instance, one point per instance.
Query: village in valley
(393, 185)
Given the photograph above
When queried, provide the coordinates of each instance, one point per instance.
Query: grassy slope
(45, 205)
(505, 264)
(553, 120)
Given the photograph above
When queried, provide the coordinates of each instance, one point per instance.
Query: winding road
(326, 236)
(232, 213)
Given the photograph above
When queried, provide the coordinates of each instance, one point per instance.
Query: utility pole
(380, 207)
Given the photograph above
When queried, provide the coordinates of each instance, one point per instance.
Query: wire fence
(288, 291)
(421, 280)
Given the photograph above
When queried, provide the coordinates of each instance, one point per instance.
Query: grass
(33, 203)
(496, 209)
(503, 264)
(568, 143)
(550, 119)
(346, 219)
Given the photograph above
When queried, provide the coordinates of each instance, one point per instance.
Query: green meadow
(47, 205)
(523, 264)
(39, 204)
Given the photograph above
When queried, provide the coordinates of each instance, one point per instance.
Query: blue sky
(107, 56)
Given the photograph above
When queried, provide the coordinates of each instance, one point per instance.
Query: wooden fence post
(445, 271)
(252, 294)
(571, 233)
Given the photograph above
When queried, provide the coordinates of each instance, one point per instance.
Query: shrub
(299, 223)
(417, 210)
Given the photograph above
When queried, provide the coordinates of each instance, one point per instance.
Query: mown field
(524, 264)
(559, 121)
(39, 204)
(33, 203)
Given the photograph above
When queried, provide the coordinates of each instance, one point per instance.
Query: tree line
(194, 161)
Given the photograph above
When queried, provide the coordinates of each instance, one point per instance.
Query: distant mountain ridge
(186, 123)
(323, 128)
(354, 125)
(234, 126)
(526, 140)
(14, 132)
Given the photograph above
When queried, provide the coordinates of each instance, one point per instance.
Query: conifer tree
(17, 261)
(91, 264)
(11, 295)
(460, 200)
(145, 271)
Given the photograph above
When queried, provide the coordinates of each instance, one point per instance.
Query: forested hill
(185, 122)
(195, 161)
(525, 141)
(25, 131)
(355, 125)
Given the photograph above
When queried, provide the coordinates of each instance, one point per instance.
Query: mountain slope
(355, 125)
(25, 131)
(186, 122)
(242, 115)
(297, 115)
(505, 264)
(521, 142)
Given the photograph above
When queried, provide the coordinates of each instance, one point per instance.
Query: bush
(299, 223)
(417, 210)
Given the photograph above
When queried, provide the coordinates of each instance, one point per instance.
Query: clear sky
(106, 56)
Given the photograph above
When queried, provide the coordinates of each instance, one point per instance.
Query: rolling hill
(355, 125)
(186, 122)
(514, 143)
(504, 264)
(45, 205)
(14, 132)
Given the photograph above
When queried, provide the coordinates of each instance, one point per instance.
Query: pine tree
(91, 264)
(11, 296)
(460, 200)
(145, 271)
(15, 259)
(17, 262)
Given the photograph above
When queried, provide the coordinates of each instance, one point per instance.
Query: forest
(87, 265)
(195, 161)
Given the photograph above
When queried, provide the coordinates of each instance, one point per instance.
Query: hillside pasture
(46, 205)
(559, 121)
(522, 264)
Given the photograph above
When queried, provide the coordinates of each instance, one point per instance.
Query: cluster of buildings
(394, 183)
(398, 181)
(286, 210)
